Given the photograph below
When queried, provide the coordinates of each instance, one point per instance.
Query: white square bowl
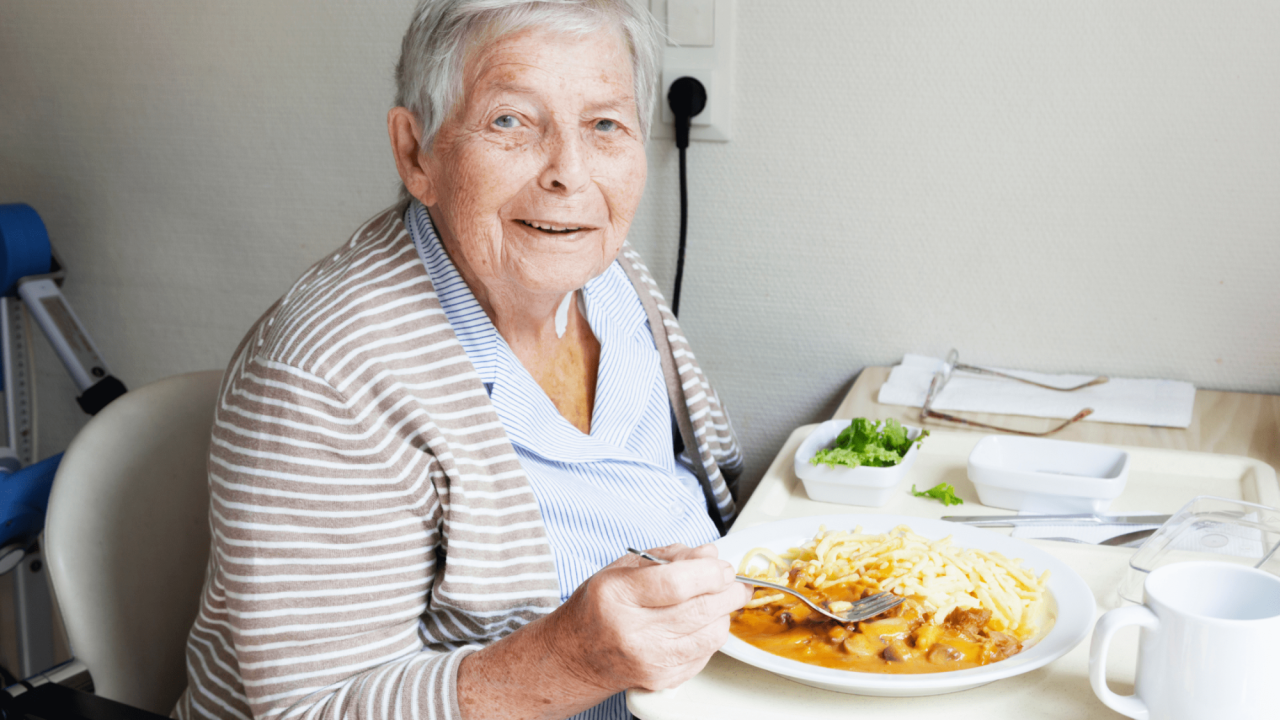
(866, 486)
(1049, 476)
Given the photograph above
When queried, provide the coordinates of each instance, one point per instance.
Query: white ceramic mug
(1209, 646)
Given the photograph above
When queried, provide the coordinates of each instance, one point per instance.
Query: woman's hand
(634, 624)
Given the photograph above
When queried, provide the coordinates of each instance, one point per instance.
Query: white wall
(1079, 185)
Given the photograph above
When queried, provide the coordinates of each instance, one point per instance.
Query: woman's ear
(403, 130)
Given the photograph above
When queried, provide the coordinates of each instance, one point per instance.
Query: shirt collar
(478, 336)
(617, 319)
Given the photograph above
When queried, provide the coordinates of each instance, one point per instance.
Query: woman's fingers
(655, 586)
(683, 657)
(687, 595)
(699, 612)
(642, 624)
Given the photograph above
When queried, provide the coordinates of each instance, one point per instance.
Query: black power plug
(687, 97)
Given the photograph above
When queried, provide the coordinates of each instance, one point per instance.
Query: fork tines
(872, 605)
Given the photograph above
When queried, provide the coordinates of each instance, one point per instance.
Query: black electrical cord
(687, 98)
(684, 229)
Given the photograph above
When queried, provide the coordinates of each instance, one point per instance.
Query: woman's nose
(566, 170)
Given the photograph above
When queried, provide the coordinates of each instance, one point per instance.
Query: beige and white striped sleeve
(326, 522)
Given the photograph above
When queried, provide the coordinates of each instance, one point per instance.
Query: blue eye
(606, 126)
(506, 122)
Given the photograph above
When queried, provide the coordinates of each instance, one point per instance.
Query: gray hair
(444, 33)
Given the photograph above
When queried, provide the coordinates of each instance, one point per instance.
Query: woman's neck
(523, 319)
(565, 365)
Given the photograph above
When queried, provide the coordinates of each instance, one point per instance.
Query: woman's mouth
(552, 228)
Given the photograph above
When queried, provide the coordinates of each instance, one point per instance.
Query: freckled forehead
(536, 59)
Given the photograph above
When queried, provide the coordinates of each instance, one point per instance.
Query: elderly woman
(430, 455)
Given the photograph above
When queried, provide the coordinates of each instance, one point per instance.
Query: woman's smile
(548, 227)
(535, 238)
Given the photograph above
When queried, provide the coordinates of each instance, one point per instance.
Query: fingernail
(729, 573)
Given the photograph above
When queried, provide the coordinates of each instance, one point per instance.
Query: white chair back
(127, 537)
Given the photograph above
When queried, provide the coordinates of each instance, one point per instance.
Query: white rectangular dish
(865, 486)
(1032, 474)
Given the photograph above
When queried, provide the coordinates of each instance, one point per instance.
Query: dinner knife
(1129, 537)
(1069, 519)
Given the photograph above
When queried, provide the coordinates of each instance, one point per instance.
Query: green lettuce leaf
(837, 456)
(944, 493)
(866, 442)
(895, 436)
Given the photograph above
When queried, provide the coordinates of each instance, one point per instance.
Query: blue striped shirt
(622, 485)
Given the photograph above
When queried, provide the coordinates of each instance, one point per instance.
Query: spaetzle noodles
(963, 607)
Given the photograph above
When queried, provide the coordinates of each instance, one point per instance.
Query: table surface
(1223, 423)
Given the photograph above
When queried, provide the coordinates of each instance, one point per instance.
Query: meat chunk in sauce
(1003, 645)
(969, 621)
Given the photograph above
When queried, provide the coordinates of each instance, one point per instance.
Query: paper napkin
(1164, 403)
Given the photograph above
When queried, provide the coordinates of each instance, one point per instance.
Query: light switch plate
(712, 66)
(691, 23)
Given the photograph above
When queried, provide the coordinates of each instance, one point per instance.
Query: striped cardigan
(371, 522)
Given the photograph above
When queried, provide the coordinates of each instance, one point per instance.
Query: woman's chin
(555, 282)
(555, 272)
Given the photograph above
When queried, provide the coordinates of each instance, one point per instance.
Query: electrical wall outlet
(707, 28)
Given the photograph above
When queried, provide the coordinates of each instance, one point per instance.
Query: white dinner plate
(1071, 601)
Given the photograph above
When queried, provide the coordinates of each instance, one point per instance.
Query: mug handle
(1129, 705)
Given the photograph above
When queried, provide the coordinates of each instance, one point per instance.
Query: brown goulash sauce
(898, 641)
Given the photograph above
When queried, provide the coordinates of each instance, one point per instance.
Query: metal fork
(867, 607)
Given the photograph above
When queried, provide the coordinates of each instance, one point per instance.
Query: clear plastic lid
(1208, 528)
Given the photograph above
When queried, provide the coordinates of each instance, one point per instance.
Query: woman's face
(534, 180)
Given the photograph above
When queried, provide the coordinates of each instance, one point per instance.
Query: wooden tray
(1159, 481)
